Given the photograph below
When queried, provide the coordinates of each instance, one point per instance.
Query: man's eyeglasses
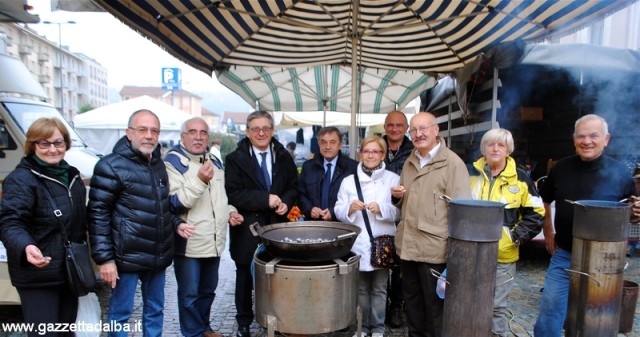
(142, 131)
(265, 129)
(422, 129)
(45, 145)
(373, 152)
(200, 133)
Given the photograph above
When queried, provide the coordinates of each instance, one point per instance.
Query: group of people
(145, 213)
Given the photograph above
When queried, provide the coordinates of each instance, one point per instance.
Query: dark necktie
(265, 172)
(325, 187)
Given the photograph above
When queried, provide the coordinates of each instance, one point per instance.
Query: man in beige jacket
(196, 182)
(432, 170)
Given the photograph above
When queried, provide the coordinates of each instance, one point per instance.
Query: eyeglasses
(201, 133)
(422, 129)
(142, 131)
(373, 152)
(265, 129)
(45, 145)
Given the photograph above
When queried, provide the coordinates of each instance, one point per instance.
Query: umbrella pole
(324, 100)
(355, 88)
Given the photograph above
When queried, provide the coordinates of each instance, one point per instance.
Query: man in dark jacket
(130, 223)
(262, 184)
(399, 148)
(317, 198)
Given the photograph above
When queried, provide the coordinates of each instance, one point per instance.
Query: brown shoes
(211, 334)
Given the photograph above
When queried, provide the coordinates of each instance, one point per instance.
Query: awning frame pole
(355, 88)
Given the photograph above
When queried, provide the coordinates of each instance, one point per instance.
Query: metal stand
(272, 323)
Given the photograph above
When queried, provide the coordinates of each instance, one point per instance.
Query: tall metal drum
(306, 297)
(597, 265)
(475, 227)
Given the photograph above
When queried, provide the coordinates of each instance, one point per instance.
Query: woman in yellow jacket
(495, 177)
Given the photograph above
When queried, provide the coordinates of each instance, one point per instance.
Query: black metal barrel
(597, 265)
(475, 227)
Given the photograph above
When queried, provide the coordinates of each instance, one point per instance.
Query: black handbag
(383, 248)
(80, 276)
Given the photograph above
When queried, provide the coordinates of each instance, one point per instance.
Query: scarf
(369, 171)
(59, 172)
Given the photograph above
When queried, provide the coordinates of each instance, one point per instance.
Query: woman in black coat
(30, 231)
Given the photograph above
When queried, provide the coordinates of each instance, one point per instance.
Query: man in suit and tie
(261, 182)
(321, 176)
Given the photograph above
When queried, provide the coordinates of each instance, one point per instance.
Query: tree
(85, 107)
(228, 143)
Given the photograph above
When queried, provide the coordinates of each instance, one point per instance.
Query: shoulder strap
(56, 212)
(364, 211)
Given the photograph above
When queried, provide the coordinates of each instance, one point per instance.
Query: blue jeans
(197, 281)
(555, 296)
(372, 298)
(121, 302)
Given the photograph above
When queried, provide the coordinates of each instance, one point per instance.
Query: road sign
(171, 78)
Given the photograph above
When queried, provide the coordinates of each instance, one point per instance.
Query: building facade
(70, 80)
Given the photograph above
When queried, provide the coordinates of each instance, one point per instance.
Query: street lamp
(61, 52)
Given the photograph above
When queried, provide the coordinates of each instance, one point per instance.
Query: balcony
(24, 49)
(44, 79)
(43, 57)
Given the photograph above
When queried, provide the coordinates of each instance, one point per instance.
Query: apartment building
(71, 80)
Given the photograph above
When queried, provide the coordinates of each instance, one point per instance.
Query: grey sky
(130, 58)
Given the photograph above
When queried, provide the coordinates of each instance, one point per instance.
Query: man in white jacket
(196, 182)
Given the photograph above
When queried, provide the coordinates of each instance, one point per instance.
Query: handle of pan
(575, 203)
(345, 236)
(255, 228)
(584, 274)
(445, 198)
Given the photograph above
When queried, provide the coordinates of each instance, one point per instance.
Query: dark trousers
(244, 295)
(48, 305)
(395, 289)
(424, 307)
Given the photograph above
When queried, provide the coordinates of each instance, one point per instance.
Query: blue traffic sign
(171, 78)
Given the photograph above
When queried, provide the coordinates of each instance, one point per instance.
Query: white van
(22, 101)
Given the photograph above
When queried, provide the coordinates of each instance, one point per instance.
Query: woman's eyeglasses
(369, 152)
(45, 144)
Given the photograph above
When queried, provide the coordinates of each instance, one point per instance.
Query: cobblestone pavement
(523, 301)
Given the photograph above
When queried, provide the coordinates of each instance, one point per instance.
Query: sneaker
(377, 334)
(243, 331)
(362, 334)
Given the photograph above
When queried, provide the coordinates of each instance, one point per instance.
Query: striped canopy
(419, 35)
(321, 88)
(427, 35)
